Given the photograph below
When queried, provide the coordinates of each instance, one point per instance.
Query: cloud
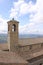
(20, 8)
(35, 23)
(3, 25)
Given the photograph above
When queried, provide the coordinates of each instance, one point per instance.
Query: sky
(29, 13)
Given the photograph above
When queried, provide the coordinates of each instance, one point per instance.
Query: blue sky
(29, 13)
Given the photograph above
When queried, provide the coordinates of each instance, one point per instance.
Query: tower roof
(13, 21)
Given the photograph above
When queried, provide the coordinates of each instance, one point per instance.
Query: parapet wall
(27, 51)
(28, 46)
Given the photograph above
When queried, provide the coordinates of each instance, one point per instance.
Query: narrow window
(13, 27)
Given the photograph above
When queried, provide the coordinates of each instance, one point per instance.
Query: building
(12, 34)
(29, 49)
(25, 51)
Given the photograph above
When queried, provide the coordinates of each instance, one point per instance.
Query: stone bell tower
(12, 34)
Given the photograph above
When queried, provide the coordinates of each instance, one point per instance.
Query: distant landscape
(30, 35)
(3, 37)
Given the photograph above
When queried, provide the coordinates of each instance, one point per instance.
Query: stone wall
(36, 46)
(30, 47)
(26, 51)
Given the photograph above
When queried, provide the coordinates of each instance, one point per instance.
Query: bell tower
(12, 34)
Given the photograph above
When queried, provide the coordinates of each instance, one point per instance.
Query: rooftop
(10, 57)
(30, 41)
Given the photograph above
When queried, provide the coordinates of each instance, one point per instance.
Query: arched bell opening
(13, 28)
